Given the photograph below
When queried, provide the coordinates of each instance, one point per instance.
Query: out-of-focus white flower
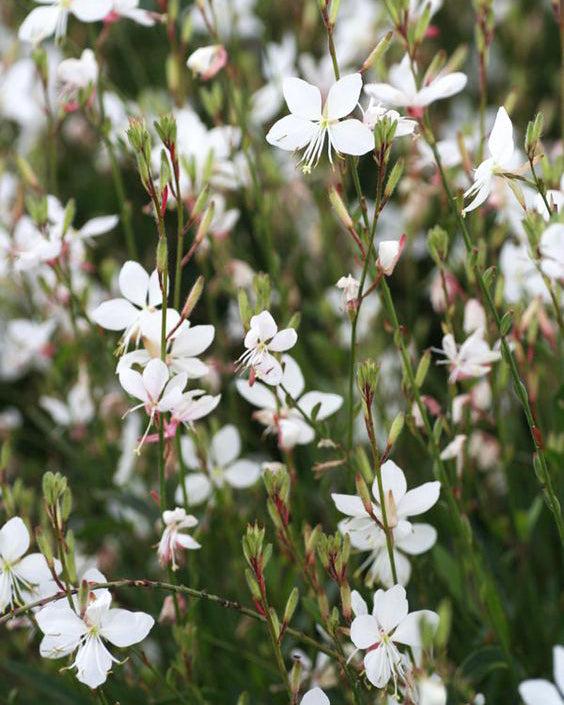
(401, 89)
(551, 248)
(286, 421)
(130, 10)
(455, 451)
(379, 633)
(501, 148)
(65, 631)
(410, 538)
(472, 359)
(223, 466)
(42, 22)
(79, 409)
(389, 252)
(310, 122)
(10, 419)
(23, 345)
(474, 316)
(375, 112)
(263, 339)
(192, 406)
(521, 276)
(541, 692)
(278, 63)
(206, 62)
(431, 690)
(77, 74)
(19, 574)
(230, 18)
(128, 442)
(438, 298)
(174, 538)
(350, 287)
(315, 696)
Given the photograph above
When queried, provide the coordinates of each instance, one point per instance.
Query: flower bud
(422, 368)
(363, 493)
(201, 201)
(340, 208)
(162, 255)
(378, 52)
(193, 297)
(396, 429)
(291, 605)
(437, 241)
(205, 223)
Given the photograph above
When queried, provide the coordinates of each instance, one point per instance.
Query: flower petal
(419, 499)
(283, 340)
(390, 607)
(264, 325)
(124, 628)
(315, 696)
(155, 377)
(500, 142)
(91, 10)
(343, 96)
(364, 631)
(378, 668)
(421, 539)
(134, 283)
(243, 473)
(409, 630)
(349, 504)
(39, 24)
(351, 137)
(358, 604)
(303, 99)
(192, 341)
(226, 445)
(258, 395)
(115, 314)
(198, 489)
(132, 382)
(329, 403)
(14, 540)
(440, 88)
(291, 132)
(539, 692)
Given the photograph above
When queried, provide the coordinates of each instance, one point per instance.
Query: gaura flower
(223, 466)
(77, 74)
(379, 634)
(455, 451)
(389, 252)
(65, 631)
(79, 409)
(350, 287)
(375, 112)
(551, 248)
(19, 574)
(174, 538)
(401, 89)
(538, 691)
(191, 406)
(315, 696)
(286, 421)
(472, 359)
(474, 316)
(262, 339)
(409, 538)
(42, 22)
(205, 62)
(310, 121)
(501, 148)
(130, 10)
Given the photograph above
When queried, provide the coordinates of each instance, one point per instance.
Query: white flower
(130, 9)
(401, 89)
(389, 252)
(191, 406)
(76, 74)
(223, 466)
(173, 538)
(23, 345)
(410, 538)
(142, 295)
(65, 631)
(183, 346)
(207, 61)
(375, 112)
(551, 248)
(315, 696)
(541, 692)
(501, 147)
(79, 409)
(156, 390)
(286, 421)
(472, 359)
(431, 690)
(455, 451)
(278, 62)
(309, 122)
(42, 22)
(380, 632)
(350, 287)
(262, 339)
(19, 574)
(474, 316)
(522, 278)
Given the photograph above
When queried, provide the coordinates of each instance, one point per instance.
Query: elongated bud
(205, 223)
(396, 429)
(291, 605)
(165, 175)
(66, 504)
(363, 465)
(296, 679)
(346, 600)
(311, 538)
(423, 23)
(340, 208)
(193, 297)
(244, 308)
(423, 368)
(363, 493)
(70, 210)
(335, 4)
(83, 593)
(71, 565)
(253, 585)
(367, 378)
(378, 52)
(437, 241)
(26, 173)
(44, 546)
(5, 455)
(294, 322)
(162, 255)
(393, 179)
(186, 29)
(201, 201)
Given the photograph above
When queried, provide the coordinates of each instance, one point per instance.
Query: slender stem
(180, 236)
(519, 387)
(561, 24)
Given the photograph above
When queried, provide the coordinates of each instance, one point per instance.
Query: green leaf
(482, 662)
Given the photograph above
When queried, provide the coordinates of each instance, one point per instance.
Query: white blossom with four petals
(174, 537)
(262, 339)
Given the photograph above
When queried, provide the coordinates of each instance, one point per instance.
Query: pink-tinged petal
(377, 666)
(500, 142)
(298, 429)
(539, 692)
(91, 10)
(134, 283)
(315, 696)
(33, 569)
(198, 489)
(14, 539)
(98, 226)
(364, 631)
(292, 378)
(358, 604)
(132, 382)
(124, 628)
(192, 341)
(283, 340)
(440, 88)
(155, 376)
(303, 99)
(258, 395)
(115, 314)
(410, 630)
(226, 445)
(393, 479)
(351, 137)
(329, 403)
(291, 133)
(264, 325)
(39, 24)
(187, 541)
(269, 370)
(421, 539)
(419, 499)
(385, 93)
(343, 96)
(390, 607)
(349, 504)
(242, 473)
